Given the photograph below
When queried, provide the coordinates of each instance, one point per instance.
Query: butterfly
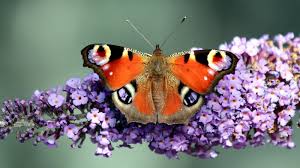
(158, 88)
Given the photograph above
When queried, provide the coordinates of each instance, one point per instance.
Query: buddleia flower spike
(253, 106)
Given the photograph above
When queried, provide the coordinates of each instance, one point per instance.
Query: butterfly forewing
(202, 69)
(117, 65)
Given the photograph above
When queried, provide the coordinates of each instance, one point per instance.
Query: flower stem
(18, 124)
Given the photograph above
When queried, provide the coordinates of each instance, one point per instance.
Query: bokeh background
(40, 43)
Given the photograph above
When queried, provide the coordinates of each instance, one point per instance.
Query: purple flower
(71, 131)
(205, 118)
(179, 143)
(242, 127)
(222, 88)
(100, 98)
(239, 45)
(37, 93)
(296, 68)
(93, 77)
(235, 102)
(284, 70)
(283, 118)
(285, 115)
(224, 101)
(285, 132)
(55, 100)
(272, 95)
(245, 114)
(79, 97)
(214, 104)
(251, 98)
(262, 66)
(226, 129)
(258, 87)
(108, 122)
(103, 151)
(281, 39)
(252, 47)
(103, 138)
(257, 139)
(234, 81)
(97, 97)
(257, 116)
(95, 116)
(51, 143)
(74, 83)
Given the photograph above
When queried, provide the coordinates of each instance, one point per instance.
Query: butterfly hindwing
(135, 101)
(200, 70)
(116, 65)
(180, 103)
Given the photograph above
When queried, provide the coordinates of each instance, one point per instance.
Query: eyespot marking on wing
(218, 60)
(99, 54)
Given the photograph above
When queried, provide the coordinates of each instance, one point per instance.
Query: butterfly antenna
(141, 34)
(175, 29)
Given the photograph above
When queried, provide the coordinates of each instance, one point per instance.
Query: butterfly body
(158, 88)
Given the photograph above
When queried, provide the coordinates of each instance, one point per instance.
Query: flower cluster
(250, 107)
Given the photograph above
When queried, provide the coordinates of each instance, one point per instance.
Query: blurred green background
(40, 48)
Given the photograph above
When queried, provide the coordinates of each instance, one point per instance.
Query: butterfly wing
(116, 65)
(201, 70)
(123, 71)
(180, 102)
(197, 72)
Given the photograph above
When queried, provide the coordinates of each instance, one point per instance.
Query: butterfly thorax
(158, 63)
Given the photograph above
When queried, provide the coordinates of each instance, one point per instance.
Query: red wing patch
(120, 72)
(202, 69)
(116, 65)
(143, 99)
(173, 103)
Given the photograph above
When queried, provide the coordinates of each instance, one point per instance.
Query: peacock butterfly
(158, 88)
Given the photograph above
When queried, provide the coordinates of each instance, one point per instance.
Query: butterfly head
(157, 51)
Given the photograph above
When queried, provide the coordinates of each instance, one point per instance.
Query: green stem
(18, 124)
